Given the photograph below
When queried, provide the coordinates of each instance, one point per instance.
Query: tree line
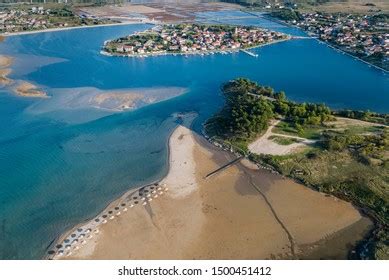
(249, 107)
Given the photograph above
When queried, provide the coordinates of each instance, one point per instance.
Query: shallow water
(56, 172)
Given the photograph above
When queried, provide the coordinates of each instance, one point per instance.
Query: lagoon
(62, 165)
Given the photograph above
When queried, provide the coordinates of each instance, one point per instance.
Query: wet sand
(27, 89)
(239, 213)
(4, 80)
(5, 61)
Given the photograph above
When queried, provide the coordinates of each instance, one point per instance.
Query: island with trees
(191, 39)
(347, 155)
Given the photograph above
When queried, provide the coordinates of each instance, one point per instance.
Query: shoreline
(191, 194)
(90, 223)
(324, 42)
(73, 27)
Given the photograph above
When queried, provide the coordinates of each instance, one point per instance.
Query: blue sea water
(61, 167)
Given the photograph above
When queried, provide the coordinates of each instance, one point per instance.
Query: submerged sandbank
(239, 213)
(27, 89)
(4, 80)
(78, 105)
(5, 61)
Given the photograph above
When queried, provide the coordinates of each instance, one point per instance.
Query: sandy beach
(241, 212)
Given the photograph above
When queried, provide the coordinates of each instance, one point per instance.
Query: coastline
(91, 223)
(73, 27)
(212, 205)
(326, 43)
(351, 55)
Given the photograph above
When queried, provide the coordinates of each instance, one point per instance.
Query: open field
(349, 6)
(271, 143)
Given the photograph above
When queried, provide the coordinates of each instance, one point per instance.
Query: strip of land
(68, 28)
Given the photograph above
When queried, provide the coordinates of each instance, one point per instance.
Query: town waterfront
(60, 166)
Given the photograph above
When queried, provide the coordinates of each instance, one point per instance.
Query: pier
(225, 166)
(249, 53)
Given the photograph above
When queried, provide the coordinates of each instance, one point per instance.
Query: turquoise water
(63, 166)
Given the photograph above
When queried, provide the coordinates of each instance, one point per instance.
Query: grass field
(283, 140)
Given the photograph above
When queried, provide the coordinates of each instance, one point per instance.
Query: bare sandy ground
(239, 213)
(265, 145)
(27, 89)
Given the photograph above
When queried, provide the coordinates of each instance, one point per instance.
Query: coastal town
(363, 36)
(18, 19)
(191, 39)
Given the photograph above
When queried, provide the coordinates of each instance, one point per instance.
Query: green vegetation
(283, 140)
(249, 108)
(245, 113)
(286, 14)
(351, 166)
(350, 160)
(306, 131)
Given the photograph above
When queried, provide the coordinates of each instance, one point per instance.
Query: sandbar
(27, 89)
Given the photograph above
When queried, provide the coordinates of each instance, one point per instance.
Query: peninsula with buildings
(363, 36)
(191, 39)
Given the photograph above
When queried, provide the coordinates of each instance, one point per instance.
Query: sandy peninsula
(241, 212)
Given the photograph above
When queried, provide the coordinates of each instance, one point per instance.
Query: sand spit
(239, 213)
(27, 89)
